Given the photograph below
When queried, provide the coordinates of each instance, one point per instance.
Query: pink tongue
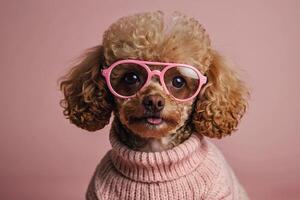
(154, 120)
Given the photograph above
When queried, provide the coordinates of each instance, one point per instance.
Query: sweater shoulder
(104, 165)
(213, 165)
(214, 158)
(214, 154)
(223, 181)
(93, 191)
(217, 162)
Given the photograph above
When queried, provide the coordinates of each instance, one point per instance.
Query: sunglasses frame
(107, 71)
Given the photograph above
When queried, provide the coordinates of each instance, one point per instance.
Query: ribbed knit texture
(195, 169)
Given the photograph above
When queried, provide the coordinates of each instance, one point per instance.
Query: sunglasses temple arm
(104, 71)
(204, 80)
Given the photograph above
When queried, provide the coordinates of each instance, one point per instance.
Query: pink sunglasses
(125, 78)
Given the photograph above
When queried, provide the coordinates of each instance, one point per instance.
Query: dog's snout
(154, 103)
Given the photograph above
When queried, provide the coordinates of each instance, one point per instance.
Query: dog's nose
(154, 103)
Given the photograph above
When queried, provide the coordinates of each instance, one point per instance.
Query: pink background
(44, 157)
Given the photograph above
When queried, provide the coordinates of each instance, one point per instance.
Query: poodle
(168, 89)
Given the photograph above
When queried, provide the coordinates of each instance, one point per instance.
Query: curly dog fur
(215, 112)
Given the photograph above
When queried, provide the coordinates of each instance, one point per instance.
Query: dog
(168, 89)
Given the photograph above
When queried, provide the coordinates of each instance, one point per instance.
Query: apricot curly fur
(222, 102)
(149, 36)
(87, 102)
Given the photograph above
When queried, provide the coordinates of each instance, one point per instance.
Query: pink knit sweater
(195, 169)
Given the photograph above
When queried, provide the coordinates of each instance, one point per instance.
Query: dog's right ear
(87, 102)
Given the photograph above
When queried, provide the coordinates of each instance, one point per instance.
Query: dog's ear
(222, 102)
(87, 102)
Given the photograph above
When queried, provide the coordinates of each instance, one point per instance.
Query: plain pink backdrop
(43, 156)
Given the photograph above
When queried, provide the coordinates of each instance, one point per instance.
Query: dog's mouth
(153, 120)
(152, 125)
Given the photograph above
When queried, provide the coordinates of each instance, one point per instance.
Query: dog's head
(215, 111)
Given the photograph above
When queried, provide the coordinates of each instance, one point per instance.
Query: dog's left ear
(222, 102)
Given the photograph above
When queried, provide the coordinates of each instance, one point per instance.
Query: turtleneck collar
(158, 166)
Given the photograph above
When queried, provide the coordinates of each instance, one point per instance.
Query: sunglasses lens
(127, 78)
(182, 82)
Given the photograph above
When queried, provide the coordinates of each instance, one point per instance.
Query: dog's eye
(131, 78)
(178, 82)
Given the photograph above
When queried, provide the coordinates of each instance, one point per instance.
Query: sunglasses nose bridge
(155, 73)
